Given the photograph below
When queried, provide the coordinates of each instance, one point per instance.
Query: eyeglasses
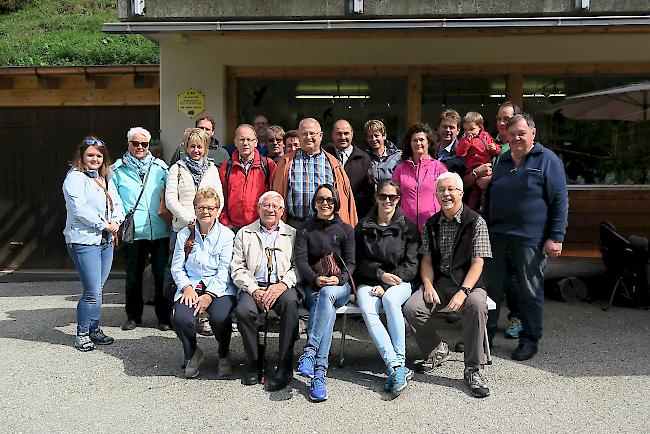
(387, 197)
(135, 144)
(95, 142)
(309, 134)
(329, 200)
(444, 190)
(271, 206)
(246, 140)
(206, 208)
(274, 140)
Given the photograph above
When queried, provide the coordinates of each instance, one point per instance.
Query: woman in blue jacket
(94, 213)
(201, 269)
(139, 171)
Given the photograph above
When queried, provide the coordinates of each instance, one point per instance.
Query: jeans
(391, 343)
(520, 265)
(135, 255)
(322, 315)
(220, 317)
(93, 264)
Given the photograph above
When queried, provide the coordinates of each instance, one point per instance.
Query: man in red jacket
(245, 177)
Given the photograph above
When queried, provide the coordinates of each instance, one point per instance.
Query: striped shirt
(306, 173)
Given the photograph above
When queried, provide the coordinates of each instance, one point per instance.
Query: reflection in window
(287, 101)
(464, 94)
(593, 152)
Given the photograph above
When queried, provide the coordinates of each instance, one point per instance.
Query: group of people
(409, 231)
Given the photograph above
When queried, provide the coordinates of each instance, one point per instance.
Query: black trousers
(135, 255)
(219, 314)
(250, 319)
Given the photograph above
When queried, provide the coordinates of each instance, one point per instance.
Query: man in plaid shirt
(455, 243)
(299, 173)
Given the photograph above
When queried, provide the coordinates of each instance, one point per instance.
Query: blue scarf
(197, 168)
(140, 165)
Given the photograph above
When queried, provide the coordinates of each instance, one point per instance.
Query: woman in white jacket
(193, 171)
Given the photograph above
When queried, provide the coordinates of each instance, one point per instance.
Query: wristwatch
(466, 290)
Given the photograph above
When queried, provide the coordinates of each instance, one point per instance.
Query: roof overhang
(540, 23)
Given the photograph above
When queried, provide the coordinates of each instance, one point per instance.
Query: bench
(353, 309)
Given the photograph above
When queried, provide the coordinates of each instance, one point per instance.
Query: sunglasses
(387, 197)
(135, 144)
(209, 209)
(329, 200)
(95, 142)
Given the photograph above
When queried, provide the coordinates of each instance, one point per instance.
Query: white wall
(200, 63)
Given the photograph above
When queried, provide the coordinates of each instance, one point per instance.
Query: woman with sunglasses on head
(417, 173)
(201, 269)
(94, 214)
(387, 262)
(140, 179)
(325, 235)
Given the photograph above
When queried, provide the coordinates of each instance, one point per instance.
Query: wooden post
(414, 95)
(515, 88)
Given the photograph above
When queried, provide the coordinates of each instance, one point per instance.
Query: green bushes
(68, 32)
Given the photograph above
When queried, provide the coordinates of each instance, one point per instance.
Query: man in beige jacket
(264, 271)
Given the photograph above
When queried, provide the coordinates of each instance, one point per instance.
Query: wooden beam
(79, 97)
(318, 71)
(232, 105)
(515, 88)
(414, 95)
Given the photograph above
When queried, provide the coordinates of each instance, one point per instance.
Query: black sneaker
(524, 352)
(98, 337)
(440, 355)
(129, 324)
(477, 382)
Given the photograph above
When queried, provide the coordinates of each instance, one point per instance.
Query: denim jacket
(148, 226)
(209, 261)
(87, 209)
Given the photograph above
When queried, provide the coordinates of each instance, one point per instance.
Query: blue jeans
(322, 315)
(93, 264)
(390, 343)
(518, 264)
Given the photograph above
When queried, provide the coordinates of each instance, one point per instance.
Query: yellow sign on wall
(191, 102)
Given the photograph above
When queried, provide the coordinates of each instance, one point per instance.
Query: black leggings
(219, 314)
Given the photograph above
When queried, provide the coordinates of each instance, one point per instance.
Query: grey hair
(269, 194)
(453, 176)
(246, 126)
(138, 130)
(525, 116)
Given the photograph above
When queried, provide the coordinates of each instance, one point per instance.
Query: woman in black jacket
(387, 246)
(325, 234)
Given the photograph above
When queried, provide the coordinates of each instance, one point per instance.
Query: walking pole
(262, 351)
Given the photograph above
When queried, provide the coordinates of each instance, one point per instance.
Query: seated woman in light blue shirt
(201, 269)
(94, 214)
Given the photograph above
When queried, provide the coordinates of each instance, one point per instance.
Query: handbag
(127, 230)
(327, 266)
(163, 212)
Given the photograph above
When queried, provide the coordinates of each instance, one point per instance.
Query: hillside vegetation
(67, 33)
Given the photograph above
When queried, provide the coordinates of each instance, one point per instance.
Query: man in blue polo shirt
(526, 212)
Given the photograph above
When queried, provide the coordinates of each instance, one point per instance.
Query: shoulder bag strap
(144, 183)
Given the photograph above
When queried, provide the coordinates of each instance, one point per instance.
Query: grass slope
(68, 33)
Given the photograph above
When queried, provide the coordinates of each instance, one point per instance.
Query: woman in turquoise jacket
(138, 170)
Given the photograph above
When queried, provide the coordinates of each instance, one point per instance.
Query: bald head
(311, 135)
(342, 134)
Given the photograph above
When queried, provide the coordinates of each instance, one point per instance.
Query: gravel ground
(592, 375)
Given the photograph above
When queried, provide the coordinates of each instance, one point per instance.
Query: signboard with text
(191, 102)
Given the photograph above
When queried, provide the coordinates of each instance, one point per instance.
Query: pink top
(418, 185)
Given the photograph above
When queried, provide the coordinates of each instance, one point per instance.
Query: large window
(593, 152)
(464, 94)
(287, 101)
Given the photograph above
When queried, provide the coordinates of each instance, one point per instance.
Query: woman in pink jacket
(417, 174)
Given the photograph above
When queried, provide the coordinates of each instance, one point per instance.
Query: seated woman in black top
(324, 234)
